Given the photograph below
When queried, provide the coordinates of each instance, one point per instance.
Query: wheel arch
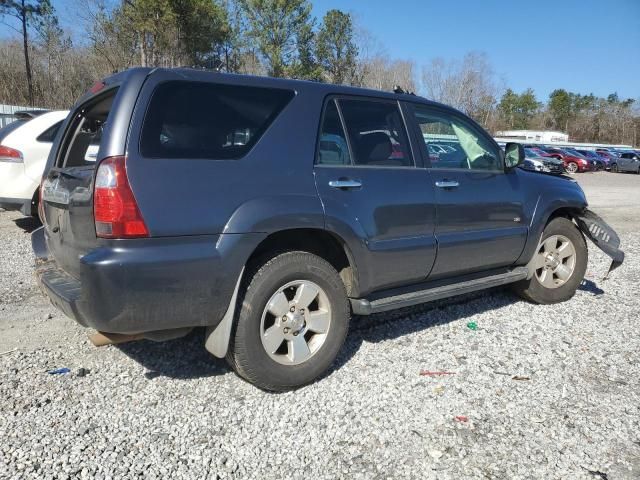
(317, 241)
(557, 202)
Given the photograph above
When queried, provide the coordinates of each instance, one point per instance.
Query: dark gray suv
(269, 211)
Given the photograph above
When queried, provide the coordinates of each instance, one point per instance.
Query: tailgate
(67, 189)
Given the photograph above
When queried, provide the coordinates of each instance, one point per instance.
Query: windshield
(530, 153)
(574, 152)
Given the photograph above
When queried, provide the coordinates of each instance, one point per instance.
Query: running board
(362, 306)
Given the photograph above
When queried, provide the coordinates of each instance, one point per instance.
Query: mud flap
(603, 236)
(217, 338)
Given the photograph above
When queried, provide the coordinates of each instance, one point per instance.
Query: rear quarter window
(50, 133)
(207, 120)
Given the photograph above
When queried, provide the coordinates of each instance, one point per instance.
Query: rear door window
(376, 132)
(206, 120)
(332, 144)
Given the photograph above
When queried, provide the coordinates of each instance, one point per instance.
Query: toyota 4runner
(269, 211)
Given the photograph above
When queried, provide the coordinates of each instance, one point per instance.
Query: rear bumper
(149, 284)
(22, 204)
(16, 188)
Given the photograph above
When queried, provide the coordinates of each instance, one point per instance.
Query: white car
(24, 148)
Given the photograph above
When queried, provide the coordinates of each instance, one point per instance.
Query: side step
(362, 306)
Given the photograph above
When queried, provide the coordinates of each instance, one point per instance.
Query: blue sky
(585, 46)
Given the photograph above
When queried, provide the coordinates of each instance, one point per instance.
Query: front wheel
(558, 265)
(614, 168)
(572, 167)
(293, 320)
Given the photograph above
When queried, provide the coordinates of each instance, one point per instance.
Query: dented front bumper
(602, 235)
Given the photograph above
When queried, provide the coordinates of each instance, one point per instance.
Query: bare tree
(468, 85)
(25, 12)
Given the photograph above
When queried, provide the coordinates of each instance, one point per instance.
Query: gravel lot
(537, 391)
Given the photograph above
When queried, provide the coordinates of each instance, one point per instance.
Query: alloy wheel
(572, 167)
(295, 322)
(555, 261)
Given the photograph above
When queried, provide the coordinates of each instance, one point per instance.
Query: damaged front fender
(602, 235)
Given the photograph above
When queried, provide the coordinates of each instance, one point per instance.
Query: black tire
(533, 291)
(246, 354)
(572, 168)
(614, 168)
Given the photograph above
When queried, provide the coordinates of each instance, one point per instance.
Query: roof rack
(399, 90)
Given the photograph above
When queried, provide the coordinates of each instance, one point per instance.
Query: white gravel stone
(170, 410)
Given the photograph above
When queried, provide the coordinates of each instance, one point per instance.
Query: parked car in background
(447, 148)
(535, 162)
(539, 150)
(572, 151)
(272, 249)
(572, 163)
(609, 154)
(24, 148)
(602, 162)
(627, 162)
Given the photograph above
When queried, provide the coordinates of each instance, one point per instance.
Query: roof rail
(399, 90)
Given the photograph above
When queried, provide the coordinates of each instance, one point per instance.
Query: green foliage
(306, 66)
(280, 28)
(518, 109)
(201, 24)
(24, 9)
(336, 48)
(560, 108)
(169, 32)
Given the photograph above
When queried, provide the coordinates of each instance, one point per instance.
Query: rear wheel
(572, 167)
(558, 265)
(292, 322)
(614, 168)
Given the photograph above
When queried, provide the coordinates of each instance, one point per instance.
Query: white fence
(7, 113)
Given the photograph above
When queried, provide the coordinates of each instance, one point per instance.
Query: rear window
(50, 133)
(207, 120)
(10, 128)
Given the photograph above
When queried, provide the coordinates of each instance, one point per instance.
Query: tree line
(42, 66)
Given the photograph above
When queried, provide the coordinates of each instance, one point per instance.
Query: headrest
(374, 147)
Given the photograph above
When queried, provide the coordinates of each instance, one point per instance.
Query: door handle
(447, 184)
(345, 183)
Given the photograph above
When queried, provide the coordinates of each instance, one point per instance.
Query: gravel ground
(535, 392)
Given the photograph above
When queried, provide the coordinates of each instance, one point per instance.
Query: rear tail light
(8, 154)
(115, 209)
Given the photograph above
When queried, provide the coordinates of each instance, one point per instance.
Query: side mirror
(513, 155)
